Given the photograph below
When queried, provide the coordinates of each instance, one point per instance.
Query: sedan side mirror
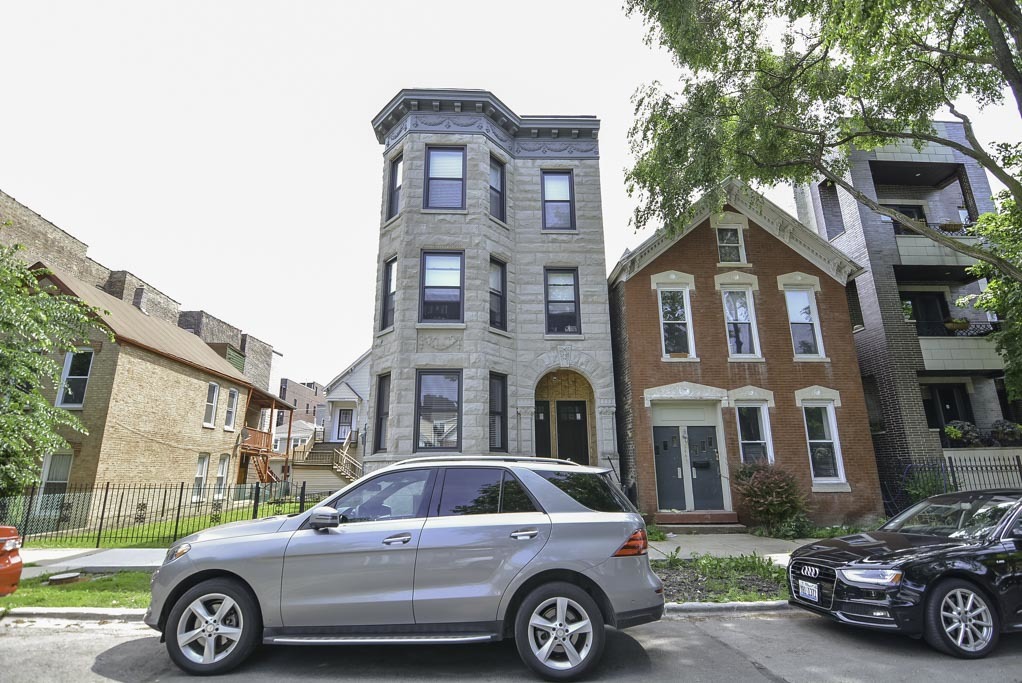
(324, 518)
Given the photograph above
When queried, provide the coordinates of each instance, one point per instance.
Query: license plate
(808, 591)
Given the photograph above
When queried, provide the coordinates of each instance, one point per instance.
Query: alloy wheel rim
(210, 628)
(560, 633)
(967, 619)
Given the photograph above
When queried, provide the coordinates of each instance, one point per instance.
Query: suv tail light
(635, 545)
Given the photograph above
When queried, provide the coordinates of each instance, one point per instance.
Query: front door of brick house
(704, 458)
(572, 432)
(670, 470)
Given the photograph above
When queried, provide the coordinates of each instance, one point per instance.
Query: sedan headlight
(877, 577)
(176, 552)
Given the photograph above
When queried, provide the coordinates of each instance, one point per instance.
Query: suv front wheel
(559, 631)
(213, 627)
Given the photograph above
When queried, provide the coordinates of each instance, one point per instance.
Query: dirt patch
(689, 583)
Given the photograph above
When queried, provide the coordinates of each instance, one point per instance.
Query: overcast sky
(222, 151)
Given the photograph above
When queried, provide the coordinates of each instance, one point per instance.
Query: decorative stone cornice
(480, 112)
(818, 393)
(672, 278)
(751, 393)
(684, 391)
(798, 279)
(736, 278)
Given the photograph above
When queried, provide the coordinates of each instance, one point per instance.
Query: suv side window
(481, 491)
(397, 495)
(594, 491)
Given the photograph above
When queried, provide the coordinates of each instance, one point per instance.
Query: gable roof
(347, 371)
(758, 209)
(132, 326)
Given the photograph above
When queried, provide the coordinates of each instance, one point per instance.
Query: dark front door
(670, 480)
(707, 493)
(572, 432)
(542, 429)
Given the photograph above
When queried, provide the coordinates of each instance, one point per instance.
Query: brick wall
(304, 399)
(635, 312)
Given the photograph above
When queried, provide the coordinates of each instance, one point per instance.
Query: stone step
(689, 529)
(697, 517)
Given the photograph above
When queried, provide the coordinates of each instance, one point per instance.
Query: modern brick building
(733, 344)
(492, 332)
(307, 399)
(921, 369)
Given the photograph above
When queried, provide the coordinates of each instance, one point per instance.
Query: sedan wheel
(559, 631)
(213, 627)
(960, 620)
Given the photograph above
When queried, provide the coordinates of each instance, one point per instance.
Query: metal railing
(950, 229)
(920, 479)
(144, 515)
(941, 328)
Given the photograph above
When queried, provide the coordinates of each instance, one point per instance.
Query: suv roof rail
(494, 458)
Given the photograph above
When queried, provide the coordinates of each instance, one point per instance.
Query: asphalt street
(775, 647)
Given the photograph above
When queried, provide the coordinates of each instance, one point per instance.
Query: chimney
(138, 300)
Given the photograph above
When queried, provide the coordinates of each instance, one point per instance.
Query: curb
(77, 613)
(686, 608)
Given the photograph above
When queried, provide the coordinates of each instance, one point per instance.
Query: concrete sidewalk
(55, 561)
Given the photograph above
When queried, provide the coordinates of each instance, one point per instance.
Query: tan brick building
(733, 344)
(159, 404)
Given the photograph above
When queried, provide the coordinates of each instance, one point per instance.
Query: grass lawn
(706, 578)
(123, 589)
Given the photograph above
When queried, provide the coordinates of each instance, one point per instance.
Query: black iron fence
(920, 479)
(144, 515)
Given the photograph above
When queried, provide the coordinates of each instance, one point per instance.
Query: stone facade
(658, 391)
(524, 352)
(949, 188)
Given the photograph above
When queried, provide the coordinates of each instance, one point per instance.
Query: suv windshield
(594, 491)
(958, 517)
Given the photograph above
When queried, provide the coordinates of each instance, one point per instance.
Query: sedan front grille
(824, 577)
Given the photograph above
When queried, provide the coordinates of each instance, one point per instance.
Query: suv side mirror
(324, 518)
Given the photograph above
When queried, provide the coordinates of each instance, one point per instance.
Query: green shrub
(922, 484)
(655, 533)
(773, 500)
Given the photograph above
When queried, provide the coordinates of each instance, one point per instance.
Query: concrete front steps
(700, 522)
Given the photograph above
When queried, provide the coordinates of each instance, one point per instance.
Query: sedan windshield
(958, 517)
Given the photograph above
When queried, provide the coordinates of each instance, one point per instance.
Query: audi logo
(811, 572)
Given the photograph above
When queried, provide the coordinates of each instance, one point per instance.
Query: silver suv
(428, 551)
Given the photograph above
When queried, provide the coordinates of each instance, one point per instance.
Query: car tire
(961, 620)
(213, 627)
(559, 631)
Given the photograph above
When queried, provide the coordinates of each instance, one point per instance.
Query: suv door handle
(524, 534)
(397, 538)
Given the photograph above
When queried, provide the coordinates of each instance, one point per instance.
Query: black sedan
(948, 569)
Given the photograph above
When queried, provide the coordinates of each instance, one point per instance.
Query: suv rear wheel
(559, 631)
(213, 627)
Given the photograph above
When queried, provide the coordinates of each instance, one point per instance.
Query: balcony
(916, 250)
(254, 440)
(966, 349)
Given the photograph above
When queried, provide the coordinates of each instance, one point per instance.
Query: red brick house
(733, 344)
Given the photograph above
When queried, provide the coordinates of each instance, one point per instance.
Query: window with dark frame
(442, 283)
(498, 294)
(438, 410)
(382, 413)
(558, 200)
(394, 192)
(562, 305)
(445, 178)
(344, 416)
(389, 292)
(498, 413)
(498, 208)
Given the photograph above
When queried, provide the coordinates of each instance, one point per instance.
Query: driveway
(777, 647)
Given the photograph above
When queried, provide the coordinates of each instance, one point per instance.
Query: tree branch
(1005, 59)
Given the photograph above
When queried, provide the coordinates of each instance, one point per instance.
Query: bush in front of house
(774, 500)
(963, 433)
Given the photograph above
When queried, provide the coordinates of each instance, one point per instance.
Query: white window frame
(752, 321)
(764, 426)
(741, 244)
(835, 439)
(44, 501)
(222, 474)
(817, 328)
(232, 410)
(201, 473)
(688, 323)
(64, 377)
(207, 404)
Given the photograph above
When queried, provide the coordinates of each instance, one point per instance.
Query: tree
(780, 91)
(37, 325)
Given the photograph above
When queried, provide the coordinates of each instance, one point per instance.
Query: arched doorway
(565, 417)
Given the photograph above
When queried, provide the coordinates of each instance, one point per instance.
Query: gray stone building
(492, 331)
(925, 362)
